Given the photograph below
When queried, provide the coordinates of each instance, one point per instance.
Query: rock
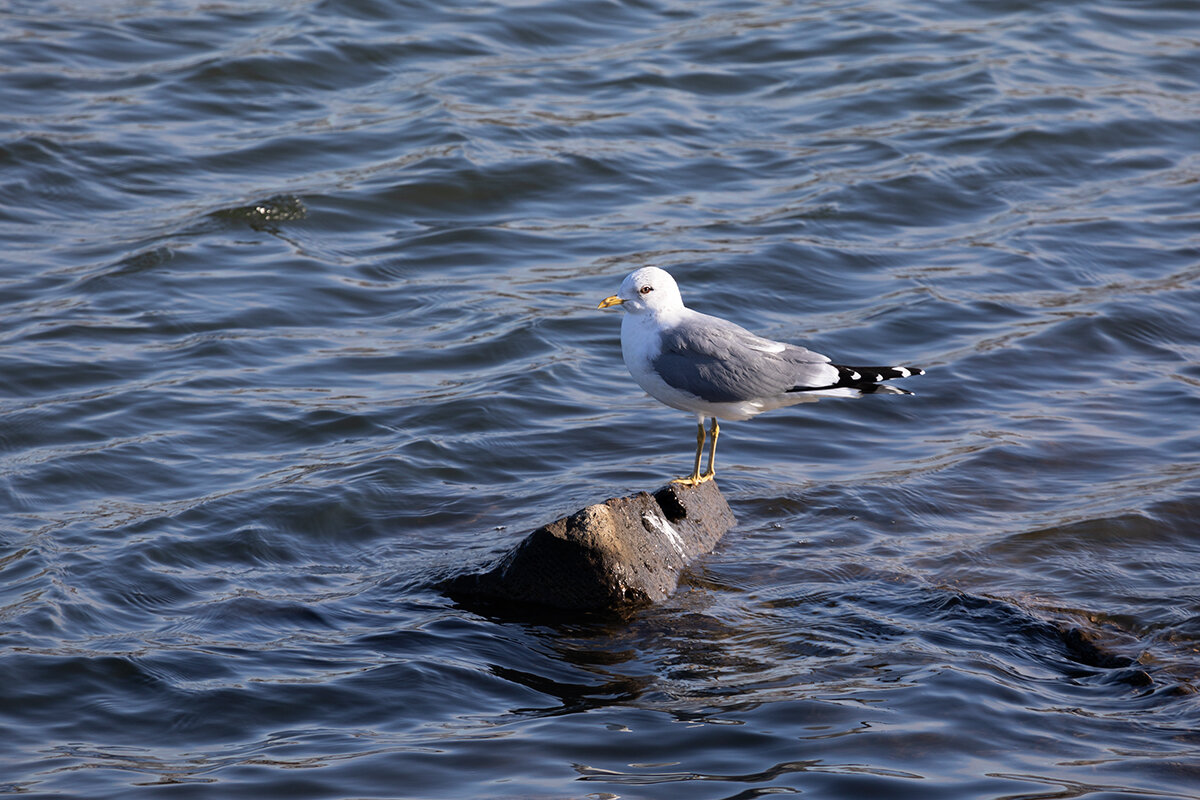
(626, 551)
(1087, 647)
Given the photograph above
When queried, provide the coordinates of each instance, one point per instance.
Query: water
(298, 317)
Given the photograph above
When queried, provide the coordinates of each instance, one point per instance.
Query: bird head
(648, 289)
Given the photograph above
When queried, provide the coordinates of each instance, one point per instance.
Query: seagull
(715, 369)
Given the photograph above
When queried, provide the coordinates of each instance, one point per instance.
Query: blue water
(297, 317)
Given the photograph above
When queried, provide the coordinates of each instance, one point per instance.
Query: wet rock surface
(625, 551)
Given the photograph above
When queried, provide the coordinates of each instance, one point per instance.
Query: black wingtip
(866, 380)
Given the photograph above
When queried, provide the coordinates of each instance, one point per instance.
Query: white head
(648, 289)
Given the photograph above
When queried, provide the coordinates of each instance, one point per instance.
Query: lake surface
(298, 317)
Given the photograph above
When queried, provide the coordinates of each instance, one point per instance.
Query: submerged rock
(622, 552)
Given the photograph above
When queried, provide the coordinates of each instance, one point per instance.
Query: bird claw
(695, 480)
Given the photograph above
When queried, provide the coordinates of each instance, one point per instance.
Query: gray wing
(720, 362)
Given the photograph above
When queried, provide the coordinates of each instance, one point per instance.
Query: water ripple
(299, 316)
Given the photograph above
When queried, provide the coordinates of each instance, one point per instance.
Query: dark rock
(623, 552)
(1087, 647)
(1073, 635)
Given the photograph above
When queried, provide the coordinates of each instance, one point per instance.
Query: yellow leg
(712, 454)
(695, 478)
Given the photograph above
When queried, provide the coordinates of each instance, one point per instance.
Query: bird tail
(869, 380)
(863, 380)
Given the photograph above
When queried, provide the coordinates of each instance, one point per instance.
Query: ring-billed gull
(716, 369)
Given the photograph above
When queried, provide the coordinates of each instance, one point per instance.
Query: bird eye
(646, 289)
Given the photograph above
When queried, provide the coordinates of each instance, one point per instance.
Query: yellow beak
(610, 301)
